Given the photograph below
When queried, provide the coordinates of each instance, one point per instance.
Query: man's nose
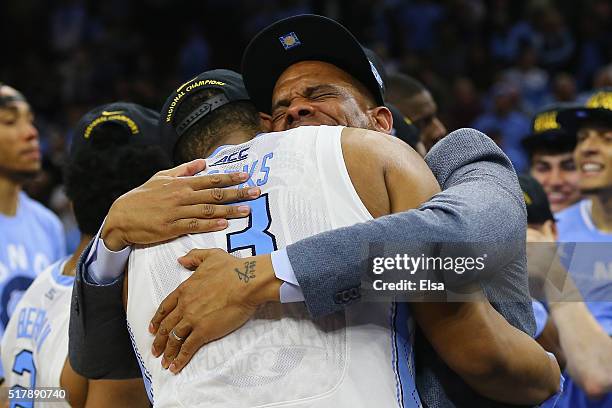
(299, 109)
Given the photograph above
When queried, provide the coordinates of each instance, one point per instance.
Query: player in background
(551, 159)
(565, 325)
(587, 225)
(113, 151)
(31, 236)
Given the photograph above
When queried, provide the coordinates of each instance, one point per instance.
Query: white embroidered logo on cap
(289, 40)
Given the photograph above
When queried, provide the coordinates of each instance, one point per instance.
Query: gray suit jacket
(481, 202)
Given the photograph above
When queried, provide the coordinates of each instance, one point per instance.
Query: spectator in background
(194, 55)
(505, 118)
(563, 89)
(31, 236)
(466, 105)
(68, 24)
(418, 20)
(553, 40)
(603, 77)
(596, 41)
(526, 75)
(551, 159)
(416, 103)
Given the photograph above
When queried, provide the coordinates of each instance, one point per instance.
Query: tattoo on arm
(248, 273)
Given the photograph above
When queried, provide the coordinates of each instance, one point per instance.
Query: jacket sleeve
(99, 344)
(481, 204)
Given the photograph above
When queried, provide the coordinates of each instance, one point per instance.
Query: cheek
(353, 116)
(540, 176)
(7, 144)
(608, 156)
(572, 177)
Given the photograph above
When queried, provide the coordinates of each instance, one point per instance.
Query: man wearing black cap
(551, 159)
(312, 91)
(588, 223)
(113, 151)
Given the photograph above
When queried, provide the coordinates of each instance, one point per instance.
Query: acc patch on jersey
(289, 40)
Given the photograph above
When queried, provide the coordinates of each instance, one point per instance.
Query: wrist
(112, 235)
(267, 285)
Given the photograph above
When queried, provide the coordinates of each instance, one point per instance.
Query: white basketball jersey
(281, 357)
(35, 342)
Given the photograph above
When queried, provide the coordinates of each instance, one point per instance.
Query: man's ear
(382, 119)
(265, 121)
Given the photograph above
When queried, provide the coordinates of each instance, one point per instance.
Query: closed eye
(322, 95)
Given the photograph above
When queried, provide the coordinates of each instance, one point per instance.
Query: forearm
(529, 379)
(479, 345)
(575, 325)
(587, 347)
(117, 393)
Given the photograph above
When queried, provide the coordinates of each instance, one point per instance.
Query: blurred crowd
(488, 64)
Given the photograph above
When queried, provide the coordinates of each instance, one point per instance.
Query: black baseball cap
(547, 132)
(597, 107)
(228, 82)
(306, 37)
(536, 201)
(140, 124)
(403, 127)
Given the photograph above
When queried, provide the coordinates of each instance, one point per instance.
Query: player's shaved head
(311, 93)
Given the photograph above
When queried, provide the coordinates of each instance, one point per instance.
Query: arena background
(482, 60)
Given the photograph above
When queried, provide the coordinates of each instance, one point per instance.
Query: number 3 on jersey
(255, 236)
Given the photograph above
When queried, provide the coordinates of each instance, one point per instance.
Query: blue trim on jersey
(403, 363)
(398, 382)
(58, 276)
(146, 375)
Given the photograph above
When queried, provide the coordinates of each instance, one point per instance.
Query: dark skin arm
(389, 183)
(85, 393)
(549, 340)
(472, 338)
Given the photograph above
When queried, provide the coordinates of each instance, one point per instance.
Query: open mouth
(557, 197)
(591, 168)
